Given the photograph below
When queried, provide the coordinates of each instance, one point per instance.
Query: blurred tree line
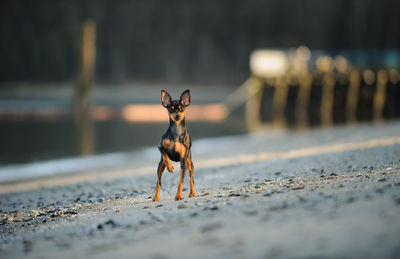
(205, 41)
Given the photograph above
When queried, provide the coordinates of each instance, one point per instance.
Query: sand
(321, 193)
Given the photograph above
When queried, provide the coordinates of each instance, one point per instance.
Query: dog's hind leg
(178, 195)
(190, 169)
(160, 170)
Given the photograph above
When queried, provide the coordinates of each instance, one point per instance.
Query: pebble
(381, 179)
(214, 207)
(251, 213)
(234, 194)
(350, 200)
(210, 227)
(27, 245)
(182, 206)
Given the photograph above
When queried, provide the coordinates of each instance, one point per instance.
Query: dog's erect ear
(165, 98)
(185, 98)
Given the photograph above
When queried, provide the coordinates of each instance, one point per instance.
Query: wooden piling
(82, 103)
(380, 95)
(303, 100)
(279, 101)
(353, 96)
(327, 99)
(253, 104)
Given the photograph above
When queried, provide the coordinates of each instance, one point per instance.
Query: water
(32, 141)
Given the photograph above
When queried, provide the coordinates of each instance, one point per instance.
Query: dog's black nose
(177, 116)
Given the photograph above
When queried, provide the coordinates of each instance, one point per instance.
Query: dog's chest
(172, 154)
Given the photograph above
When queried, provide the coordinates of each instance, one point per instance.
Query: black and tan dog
(175, 143)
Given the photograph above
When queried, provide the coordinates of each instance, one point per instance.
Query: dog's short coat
(175, 143)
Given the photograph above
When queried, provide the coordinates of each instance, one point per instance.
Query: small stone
(117, 210)
(210, 227)
(214, 207)
(111, 223)
(159, 205)
(381, 179)
(302, 199)
(182, 206)
(234, 194)
(298, 187)
(27, 245)
(358, 175)
(273, 208)
(251, 213)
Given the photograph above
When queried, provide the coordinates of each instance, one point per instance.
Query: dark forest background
(205, 41)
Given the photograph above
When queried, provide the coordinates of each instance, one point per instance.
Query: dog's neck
(177, 128)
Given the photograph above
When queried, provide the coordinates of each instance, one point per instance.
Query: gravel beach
(331, 193)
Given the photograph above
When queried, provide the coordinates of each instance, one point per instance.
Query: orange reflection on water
(156, 113)
(102, 113)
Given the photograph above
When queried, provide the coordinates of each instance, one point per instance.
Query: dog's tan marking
(168, 163)
(190, 168)
(180, 149)
(167, 144)
(181, 116)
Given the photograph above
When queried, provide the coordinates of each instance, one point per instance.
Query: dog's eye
(173, 108)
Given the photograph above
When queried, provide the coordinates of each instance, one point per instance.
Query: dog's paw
(178, 197)
(170, 167)
(192, 195)
(155, 198)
